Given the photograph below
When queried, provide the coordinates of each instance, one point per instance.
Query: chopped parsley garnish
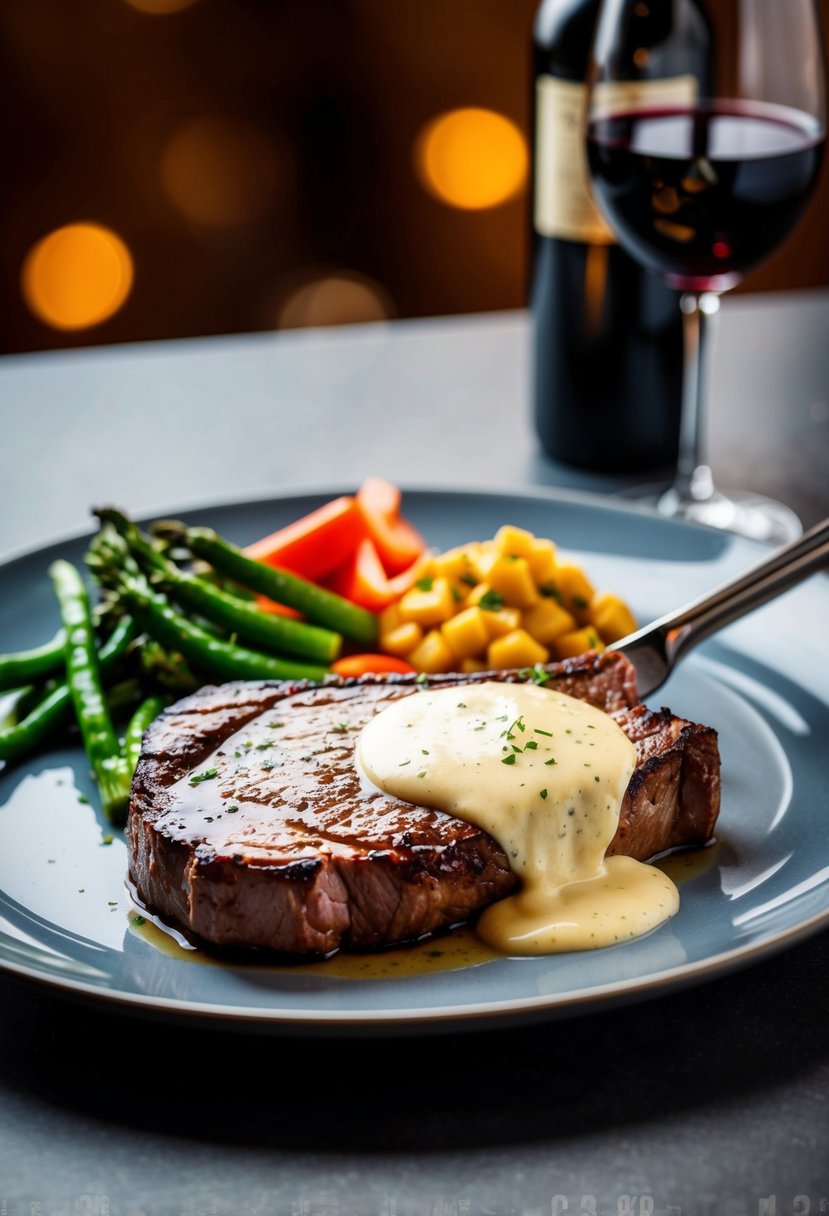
(510, 759)
(551, 591)
(426, 583)
(340, 728)
(542, 793)
(491, 601)
(534, 675)
(197, 778)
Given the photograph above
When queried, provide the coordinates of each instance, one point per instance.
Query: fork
(656, 649)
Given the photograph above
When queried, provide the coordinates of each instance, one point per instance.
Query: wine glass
(705, 134)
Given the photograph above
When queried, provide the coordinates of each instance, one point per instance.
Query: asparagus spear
(216, 657)
(273, 633)
(316, 603)
(83, 677)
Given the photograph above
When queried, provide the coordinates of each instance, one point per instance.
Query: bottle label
(563, 206)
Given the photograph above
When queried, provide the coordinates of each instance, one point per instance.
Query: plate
(67, 920)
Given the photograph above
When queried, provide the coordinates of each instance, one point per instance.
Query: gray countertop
(711, 1100)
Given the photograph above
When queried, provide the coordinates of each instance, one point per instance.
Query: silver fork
(656, 649)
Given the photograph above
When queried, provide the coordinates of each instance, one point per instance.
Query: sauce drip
(544, 774)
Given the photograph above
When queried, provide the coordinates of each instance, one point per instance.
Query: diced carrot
(398, 543)
(367, 664)
(362, 579)
(317, 543)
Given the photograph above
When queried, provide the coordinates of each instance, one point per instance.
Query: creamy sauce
(544, 774)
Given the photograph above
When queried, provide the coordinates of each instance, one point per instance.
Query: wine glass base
(738, 511)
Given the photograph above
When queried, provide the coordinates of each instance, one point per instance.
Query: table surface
(710, 1100)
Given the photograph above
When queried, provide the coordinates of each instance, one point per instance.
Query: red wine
(702, 195)
(606, 336)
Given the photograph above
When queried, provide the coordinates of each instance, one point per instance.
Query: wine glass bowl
(702, 161)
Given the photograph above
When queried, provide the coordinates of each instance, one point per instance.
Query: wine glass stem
(693, 481)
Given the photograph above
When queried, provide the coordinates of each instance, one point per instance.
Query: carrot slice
(265, 604)
(368, 664)
(317, 543)
(398, 543)
(362, 579)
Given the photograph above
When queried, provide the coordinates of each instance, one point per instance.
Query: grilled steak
(248, 824)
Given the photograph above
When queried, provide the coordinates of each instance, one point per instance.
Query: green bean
(83, 677)
(54, 708)
(26, 666)
(147, 712)
(242, 618)
(316, 603)
(216, 657)
(33, 665)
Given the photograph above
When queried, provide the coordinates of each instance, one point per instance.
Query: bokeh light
(337, 297)
(472, 158)
(160, 7)
(219, 172)
(77, 276)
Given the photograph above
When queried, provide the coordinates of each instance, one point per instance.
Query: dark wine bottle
(606, 346)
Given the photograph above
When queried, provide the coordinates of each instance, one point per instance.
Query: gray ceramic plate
(66, 918)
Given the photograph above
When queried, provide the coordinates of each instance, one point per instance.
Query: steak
(248, 825)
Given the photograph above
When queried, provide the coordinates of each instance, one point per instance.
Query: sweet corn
(433, 654)
(547, 620)
(466, 633)
(512, 578)
(501, 603)
(612, 617)
(571, 644)
(428, 603)
(516, 649)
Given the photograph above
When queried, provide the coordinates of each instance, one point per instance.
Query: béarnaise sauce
(544, 774)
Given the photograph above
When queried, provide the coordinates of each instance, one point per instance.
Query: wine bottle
(606, 345)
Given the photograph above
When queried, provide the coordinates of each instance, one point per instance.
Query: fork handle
(784, 569)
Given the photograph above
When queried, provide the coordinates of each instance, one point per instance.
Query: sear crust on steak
(249, 827)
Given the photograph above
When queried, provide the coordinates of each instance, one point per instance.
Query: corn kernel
(501, 622)
(576, 590)
(612, 617)
(466, 632)
(542, 560)
(511, 577)
(580, 640)
(388, 619)
(429, 604)
(516, 649)
(471, 665)
(458, 566)
(513, 542)
(401, 640)
(547, 620)
(432, 654)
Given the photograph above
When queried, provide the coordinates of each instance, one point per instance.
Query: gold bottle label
(562, 205)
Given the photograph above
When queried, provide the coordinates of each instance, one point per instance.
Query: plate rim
(593, 499)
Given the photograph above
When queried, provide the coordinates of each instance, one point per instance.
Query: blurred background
(190, 167)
